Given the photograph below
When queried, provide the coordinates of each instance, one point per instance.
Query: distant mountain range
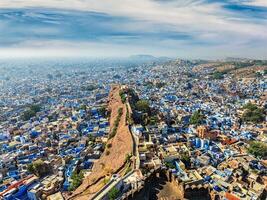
(144, 57)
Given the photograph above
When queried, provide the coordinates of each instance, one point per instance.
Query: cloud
(148, 25)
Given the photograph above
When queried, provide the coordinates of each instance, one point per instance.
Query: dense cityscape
(135, 128)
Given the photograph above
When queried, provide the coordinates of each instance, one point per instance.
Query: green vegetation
(239, 65)
(253, 113)
(116, 123)
(76, 180)
(104, 112)
(258, 149)
(113, 194)
(31, 112)
(91, 138)
(218, 75)
(50, 118)
(123, 96)
(132, 97)
(143, 106)
(150, 84)
(89, 87)
(250, 106)
(109, 145)
(28, 114)
(160, 84)
(258, 74)
(38, 168)
(185, 158)
(146, 116)
(83, 107)
(170, 165)
(128, 117)
(197, 118)
(36, 108)
(31, 168)
(153, 120)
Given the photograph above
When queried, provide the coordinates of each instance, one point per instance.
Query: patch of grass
(113, 194)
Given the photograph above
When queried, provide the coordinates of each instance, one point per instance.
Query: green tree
(153, 120)
(38, 167)
(91, 138)
(76, 180)
(253, 113)
(142, 105)
(250, 106)
(35, 108)
(170, 165)
(28, 114)
(197, 118)
(258, 149)
(218, 75)
(30, 168)
(103, 111)
(83, 107)
(89, 87)
(160, 84)
(123, 96)
(31, 111)
(185, 158)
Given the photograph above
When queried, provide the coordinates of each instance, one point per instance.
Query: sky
(203, 29)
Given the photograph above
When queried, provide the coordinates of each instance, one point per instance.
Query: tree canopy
(89, 87)
(197, 118)
(76, 180)
(142, 105)
(218, 75)
(38, 167)
(31, 111)
(258, 149)
(253, 113)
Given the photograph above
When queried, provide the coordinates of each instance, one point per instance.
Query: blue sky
(179, 28)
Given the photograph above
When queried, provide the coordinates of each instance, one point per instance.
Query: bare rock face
(111, 162)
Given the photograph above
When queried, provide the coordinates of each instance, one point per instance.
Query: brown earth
(122, 144)
(201, 67)
(225, 67)
(230, 68)
(248, 71)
